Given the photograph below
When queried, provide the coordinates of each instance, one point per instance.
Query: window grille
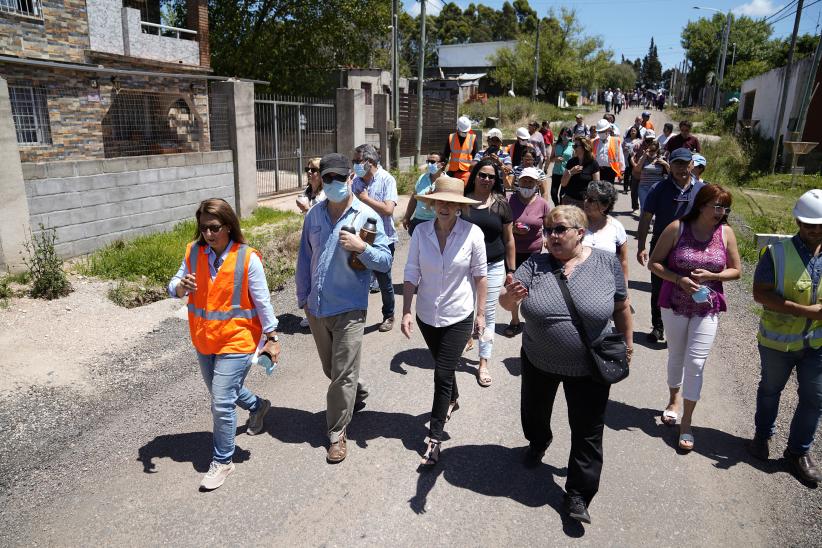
(30, 8)
(29, 110)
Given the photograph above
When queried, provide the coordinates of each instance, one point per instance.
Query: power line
(794, 12)
(780, 10)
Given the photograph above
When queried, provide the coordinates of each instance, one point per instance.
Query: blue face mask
(360, 170)
(433, 168)
(336, 191)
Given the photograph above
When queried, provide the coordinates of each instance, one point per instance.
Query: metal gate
(290, 131)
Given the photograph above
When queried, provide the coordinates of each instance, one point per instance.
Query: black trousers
(656, 288)
(607, 174)
(587, 401)
(626, 179)
(446, 345)
(634, 190)
(412, 224)
(556, 189)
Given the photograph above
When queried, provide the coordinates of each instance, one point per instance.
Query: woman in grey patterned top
(552, 352)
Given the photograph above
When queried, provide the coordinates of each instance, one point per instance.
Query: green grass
(517, 112)
(156, 257)
(406, 180)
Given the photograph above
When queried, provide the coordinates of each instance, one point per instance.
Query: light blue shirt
(326, 284)
(383, 188)
(423, 211)
(257, 285)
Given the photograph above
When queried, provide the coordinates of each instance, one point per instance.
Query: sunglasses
(431, 162)
(559, 230)
(214, 229)
(722, 209)
(312, 170)
(486, 176)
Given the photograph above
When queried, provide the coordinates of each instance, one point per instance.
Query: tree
(651, 73)
(619, 75)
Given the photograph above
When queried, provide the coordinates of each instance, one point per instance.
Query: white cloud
(432, 8)
(757, 8)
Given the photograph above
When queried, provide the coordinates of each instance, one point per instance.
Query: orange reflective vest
(460, 158)
(613, 153)
(221, 316)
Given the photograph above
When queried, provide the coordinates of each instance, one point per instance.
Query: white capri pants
(689, 343)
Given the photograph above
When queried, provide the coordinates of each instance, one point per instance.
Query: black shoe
(656, 335)
(760, 448)
(577, 509)
(804, 467)
(533, 457)
(373, 289)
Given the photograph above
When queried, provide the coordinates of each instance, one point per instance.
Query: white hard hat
(463, 124)
(522, 133)
(603, 125)
(495, 132)
(808, 208)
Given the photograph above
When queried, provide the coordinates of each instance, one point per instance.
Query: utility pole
(395, 82)
(420, 77)
(808, 94)
(726, 33)
(786, 80)
(536, 64)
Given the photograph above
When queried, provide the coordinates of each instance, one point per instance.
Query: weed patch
(134, 294)
(45, 268)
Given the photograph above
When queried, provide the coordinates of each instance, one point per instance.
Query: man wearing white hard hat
(460, 150)
(786, 284)
(608, 152)
(522, 143)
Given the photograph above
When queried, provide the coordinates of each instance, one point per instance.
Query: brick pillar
(197, 15)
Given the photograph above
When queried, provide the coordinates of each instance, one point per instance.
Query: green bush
(6, 292)
(572, 98)
(515, 111)
(49, 280)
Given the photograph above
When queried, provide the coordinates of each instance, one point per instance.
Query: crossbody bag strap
(569, 302)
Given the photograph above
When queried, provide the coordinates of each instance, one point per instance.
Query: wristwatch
(272, 338)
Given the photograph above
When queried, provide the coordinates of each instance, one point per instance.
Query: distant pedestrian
(313, 192)
(493, 215)
(579, 129)
(460, 150)
(518, 147)
(646, 121)
(608, 153)
(667, 131)
(652, 169)
(609, 99)
(553, 352)
(619, 101)
(786, 284)
(418, 211)
(548, 137)
(667, 201)
(446, 264)
(334, 295)
(579, 171)
(563, 151)
(229, 310)
(377, 188)
(693, 256)
(538, 143)
(628, 182)
(700, 163)
(684, 139)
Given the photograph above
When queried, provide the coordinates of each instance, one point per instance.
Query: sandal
(451, 408)
(686, 442)
(513, 329)
(669, 417)
(483, 380)
(432, 455)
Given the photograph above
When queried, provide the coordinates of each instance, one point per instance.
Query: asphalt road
(122, 467)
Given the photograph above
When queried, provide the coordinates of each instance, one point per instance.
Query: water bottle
(263, 359)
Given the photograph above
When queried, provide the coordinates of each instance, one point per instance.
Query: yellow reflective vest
(786, 332)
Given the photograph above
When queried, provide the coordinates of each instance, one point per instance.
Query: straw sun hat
(447, 189)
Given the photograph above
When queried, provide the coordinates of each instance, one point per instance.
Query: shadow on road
(496, 471)
(421, 357)
(639, 286)
(193, 447)
(289, 324)
(513, 365)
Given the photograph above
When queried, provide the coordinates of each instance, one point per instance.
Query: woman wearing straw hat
(446, 263)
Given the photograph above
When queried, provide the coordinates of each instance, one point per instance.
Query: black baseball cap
(336, 164)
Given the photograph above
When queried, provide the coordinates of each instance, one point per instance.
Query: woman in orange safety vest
(229, 308)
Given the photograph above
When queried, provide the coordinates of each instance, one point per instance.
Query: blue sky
(628, 25)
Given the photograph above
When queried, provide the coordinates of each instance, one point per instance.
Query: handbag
(608, 354)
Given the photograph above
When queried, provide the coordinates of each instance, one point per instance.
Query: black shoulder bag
(608, 354)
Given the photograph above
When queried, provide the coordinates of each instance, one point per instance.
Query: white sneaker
(216, 475)
(304, 323)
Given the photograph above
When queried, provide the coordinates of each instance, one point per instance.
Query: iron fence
(27, 8)
(290, 131)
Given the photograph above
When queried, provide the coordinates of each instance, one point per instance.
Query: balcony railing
(27, 8)
(165, 30)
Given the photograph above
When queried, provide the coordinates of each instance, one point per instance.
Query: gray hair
(368, 152)
(605, 192)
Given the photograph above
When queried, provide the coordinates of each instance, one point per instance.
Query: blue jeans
(642, 191)
(387, 289)
(776, 370)
(496, 277)
(224, 375)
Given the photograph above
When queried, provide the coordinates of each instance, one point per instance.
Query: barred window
(30, 8)
(30, 113)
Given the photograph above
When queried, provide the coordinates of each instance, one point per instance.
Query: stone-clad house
(94, 79)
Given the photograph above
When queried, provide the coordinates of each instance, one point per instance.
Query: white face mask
(603, 135)
(527, 192)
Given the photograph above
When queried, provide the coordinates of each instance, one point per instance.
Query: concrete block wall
(136, 43)
(95, 202)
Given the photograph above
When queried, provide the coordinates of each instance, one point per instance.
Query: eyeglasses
(559, 230)
(312, 170)
(486, 176)
(214, 229)
(722, 209)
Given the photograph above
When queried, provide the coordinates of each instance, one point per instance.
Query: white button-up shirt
(445, 280)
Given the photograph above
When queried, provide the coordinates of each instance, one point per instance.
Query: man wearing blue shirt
(667, 201)
(377, 189)
(334, 295)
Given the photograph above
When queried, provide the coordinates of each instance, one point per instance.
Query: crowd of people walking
(488, 228)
